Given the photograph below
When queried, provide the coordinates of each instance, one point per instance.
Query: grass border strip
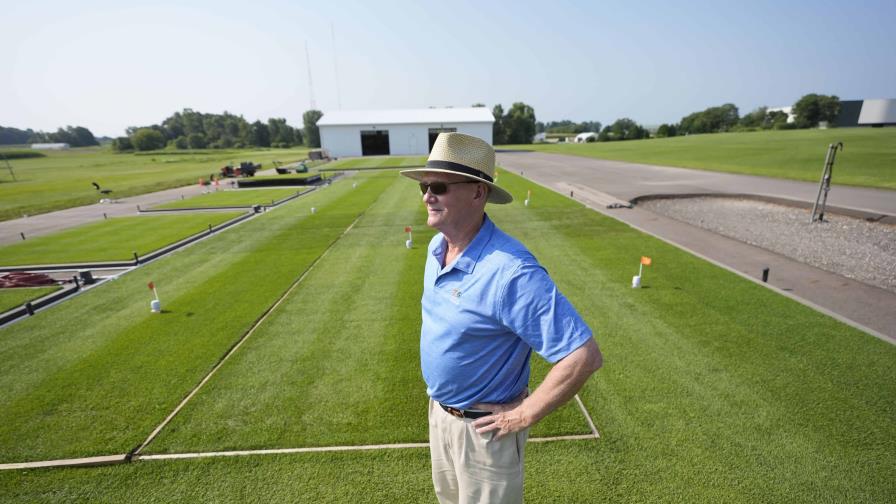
(140, 260)
(239, 343)
(369, 168)
(243, 207)
(37, 304)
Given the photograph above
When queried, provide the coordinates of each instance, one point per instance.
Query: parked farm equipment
(246, 169)
(286, 169)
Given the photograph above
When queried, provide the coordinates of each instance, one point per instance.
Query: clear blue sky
(107, 65)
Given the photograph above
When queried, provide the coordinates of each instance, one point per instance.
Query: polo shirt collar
(470, 256)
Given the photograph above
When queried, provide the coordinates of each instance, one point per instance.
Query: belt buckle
(456, 412)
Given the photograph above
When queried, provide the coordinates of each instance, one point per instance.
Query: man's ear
(481, 191)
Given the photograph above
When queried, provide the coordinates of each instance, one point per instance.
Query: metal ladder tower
(825, 185)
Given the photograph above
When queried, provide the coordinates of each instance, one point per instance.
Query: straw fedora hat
(463, 155)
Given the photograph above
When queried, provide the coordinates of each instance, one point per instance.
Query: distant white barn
(877, 112)
(50, 146)
(405, 132)
(583, 137)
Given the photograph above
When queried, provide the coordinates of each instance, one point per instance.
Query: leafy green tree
(260, 135)
(122, 144)
(181, 142)
(666, 130)
(711, 120)
(814, 108)
(519, 124)
(312, 132)
(499, 136)
(145, 139)
(197, 141)
(14, 136)
(627, 129)
(775, 120)
(754, 119)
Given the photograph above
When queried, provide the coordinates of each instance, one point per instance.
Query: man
(487, 304)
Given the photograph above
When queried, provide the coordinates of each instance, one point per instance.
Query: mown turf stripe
(246, 336)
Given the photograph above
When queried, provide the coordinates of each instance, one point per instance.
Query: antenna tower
(310, 87)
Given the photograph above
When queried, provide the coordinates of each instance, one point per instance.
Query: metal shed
(398, 132)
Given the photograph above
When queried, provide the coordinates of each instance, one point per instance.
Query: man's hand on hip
(505, 418)
(561, 383)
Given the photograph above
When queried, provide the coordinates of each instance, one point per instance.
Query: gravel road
(855, 248)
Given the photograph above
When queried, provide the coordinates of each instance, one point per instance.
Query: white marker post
(410, 242)
(155, 305)
(636, 280)
(528, 197)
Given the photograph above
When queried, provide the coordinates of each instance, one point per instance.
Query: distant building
(877, 112)
(540, 137)
(583, 137)
(398, 132)
(50, 146)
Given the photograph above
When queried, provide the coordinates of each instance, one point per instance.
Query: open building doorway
(375, 143)
(434, 133)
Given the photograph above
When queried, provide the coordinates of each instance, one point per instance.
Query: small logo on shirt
(455, 295)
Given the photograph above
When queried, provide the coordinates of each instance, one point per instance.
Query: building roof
(406, 116)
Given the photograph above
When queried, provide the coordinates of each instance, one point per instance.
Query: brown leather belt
(459, 413)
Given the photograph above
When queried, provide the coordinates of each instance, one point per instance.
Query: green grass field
(13, 297)
(868, 157)
(714, 388)
(63, 178)
(374, 163)
(242, 197)
(114, 239)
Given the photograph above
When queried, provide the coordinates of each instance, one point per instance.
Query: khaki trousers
(468, 467)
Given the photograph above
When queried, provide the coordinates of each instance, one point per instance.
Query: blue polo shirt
(484, 314)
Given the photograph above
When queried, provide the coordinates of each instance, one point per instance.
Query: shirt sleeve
(535, 310)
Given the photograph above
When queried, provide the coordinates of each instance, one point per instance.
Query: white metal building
(877, 112)
(50, 146)
(398, 132)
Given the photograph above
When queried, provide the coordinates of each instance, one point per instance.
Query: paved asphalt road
(595, 182)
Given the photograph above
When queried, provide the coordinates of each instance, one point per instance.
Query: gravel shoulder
(854, 248)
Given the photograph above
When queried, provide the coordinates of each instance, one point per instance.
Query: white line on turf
(319, 449)
(120, 459)
(587, 417)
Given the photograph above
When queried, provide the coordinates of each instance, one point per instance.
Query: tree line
(190, 129)
(567, 126)
(75, 136)
(808, 111)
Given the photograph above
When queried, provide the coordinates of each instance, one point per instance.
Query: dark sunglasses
(439, 188)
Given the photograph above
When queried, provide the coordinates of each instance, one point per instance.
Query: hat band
(457, 167)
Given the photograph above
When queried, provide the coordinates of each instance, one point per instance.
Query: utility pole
(335, 71)
(310, 87)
